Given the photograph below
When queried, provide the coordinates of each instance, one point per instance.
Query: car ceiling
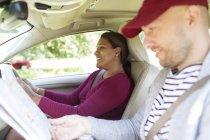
(64, 17)
(70, 16)
(55, 18)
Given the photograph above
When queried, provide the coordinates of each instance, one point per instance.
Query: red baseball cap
(152, 9)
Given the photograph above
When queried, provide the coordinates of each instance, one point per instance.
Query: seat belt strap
(98, 76)
(166, 116)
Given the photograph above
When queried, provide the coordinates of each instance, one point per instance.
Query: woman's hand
(28, 89)
(69, 127)
(34, 88)
(28, 83)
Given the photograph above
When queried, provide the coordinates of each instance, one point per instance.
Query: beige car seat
(143, 74)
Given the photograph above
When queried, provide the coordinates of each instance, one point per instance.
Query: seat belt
(98, 76)
(166, 116)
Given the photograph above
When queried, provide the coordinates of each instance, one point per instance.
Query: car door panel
(61, 83)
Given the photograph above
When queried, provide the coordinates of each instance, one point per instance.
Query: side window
(152, 58)
(73, 54)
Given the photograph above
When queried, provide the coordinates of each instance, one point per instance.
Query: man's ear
(193, 14)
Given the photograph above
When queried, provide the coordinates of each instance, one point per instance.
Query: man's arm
(116, 130)
(74, 126)
(204, 127)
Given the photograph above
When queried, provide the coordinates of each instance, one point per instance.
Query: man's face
(169, 38)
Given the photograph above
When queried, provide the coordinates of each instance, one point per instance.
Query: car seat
(143, 74)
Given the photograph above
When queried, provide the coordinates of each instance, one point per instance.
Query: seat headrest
(136, 49)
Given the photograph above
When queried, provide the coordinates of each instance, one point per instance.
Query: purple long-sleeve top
(107, 99)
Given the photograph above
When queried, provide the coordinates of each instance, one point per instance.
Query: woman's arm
(69, 98)
(100, 100)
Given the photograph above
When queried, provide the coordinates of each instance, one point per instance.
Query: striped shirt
(175, 85)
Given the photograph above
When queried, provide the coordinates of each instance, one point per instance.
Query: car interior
(47, 19)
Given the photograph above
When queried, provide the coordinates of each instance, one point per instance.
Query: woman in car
(103, 96)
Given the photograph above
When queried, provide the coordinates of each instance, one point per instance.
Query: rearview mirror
(13, 15)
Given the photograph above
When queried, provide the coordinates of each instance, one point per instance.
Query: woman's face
(106, 56)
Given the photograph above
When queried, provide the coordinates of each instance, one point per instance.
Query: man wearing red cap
(177, 31)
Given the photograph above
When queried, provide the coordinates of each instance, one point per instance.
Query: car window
(73, 54)
(152, 58)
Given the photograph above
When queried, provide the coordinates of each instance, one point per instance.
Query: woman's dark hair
(118, 40)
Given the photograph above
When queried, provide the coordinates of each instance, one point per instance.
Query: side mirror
(13, 15)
